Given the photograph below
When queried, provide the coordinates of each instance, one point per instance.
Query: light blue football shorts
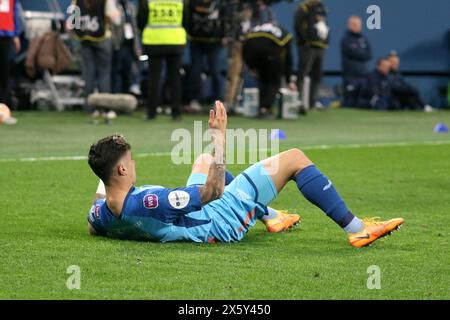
(244, 200)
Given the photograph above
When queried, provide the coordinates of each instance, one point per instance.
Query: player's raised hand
(218, 117)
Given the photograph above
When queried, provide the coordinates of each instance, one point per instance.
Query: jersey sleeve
(95, 217)
(169, 204)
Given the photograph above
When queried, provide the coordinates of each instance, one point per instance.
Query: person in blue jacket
(378, 92)
(9, 37)
(405, 95)
(356, 53)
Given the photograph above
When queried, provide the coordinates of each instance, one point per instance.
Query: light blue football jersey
(153, 213)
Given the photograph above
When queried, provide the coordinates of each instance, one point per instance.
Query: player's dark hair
(105, 153)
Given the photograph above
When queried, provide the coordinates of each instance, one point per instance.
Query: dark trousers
(311, 60)
(122, 69)
(376, 102)
(270, 74)
(266, 61)
(97, 59)
(353, 90)
(211, 51)
(408, 98)
(5, 67)
(173, 65)
(268, 90)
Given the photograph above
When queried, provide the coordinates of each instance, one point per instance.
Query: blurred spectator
(312, 32)
(47, 52)
(164, 39)
(96, 46)
(262, 13)
(136, 69)
(238, 16)
(267, 52)
(404, 95)
(206, 29)
(10, 28)
(378, 92)
(356, 53)
(126, 48)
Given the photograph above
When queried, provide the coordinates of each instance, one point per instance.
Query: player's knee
(296, 154)
(301, 160)
(204, 158)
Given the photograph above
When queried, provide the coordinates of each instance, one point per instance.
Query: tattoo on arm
(215, 183)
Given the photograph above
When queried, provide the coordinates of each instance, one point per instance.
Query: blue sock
(228, 177)
(319, 190)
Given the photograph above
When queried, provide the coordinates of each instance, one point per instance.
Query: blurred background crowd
(184, 54)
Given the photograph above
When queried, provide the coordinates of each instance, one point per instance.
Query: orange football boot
(373, 230)
(282, 222)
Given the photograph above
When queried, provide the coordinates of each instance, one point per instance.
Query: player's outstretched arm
(215, 183)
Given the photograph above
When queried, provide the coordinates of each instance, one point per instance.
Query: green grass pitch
(383, 164)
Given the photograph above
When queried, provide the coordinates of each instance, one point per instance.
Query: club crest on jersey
(151, 201)
(179, 199)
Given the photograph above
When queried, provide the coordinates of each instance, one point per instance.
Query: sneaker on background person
(428, 108)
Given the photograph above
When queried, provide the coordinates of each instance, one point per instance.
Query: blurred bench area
(418, 31)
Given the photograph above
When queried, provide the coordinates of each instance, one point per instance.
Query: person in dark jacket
(267, 52)
(404, 95)
(126, 48)
(261, 13)
(240, 16)
(94, 32)
(378, 92)
(311, 28)
(206, 30)
(10, 29)
(356, 53)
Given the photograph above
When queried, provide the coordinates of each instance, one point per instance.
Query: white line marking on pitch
(314, 147)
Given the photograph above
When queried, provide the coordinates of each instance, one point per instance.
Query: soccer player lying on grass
(213, 206)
